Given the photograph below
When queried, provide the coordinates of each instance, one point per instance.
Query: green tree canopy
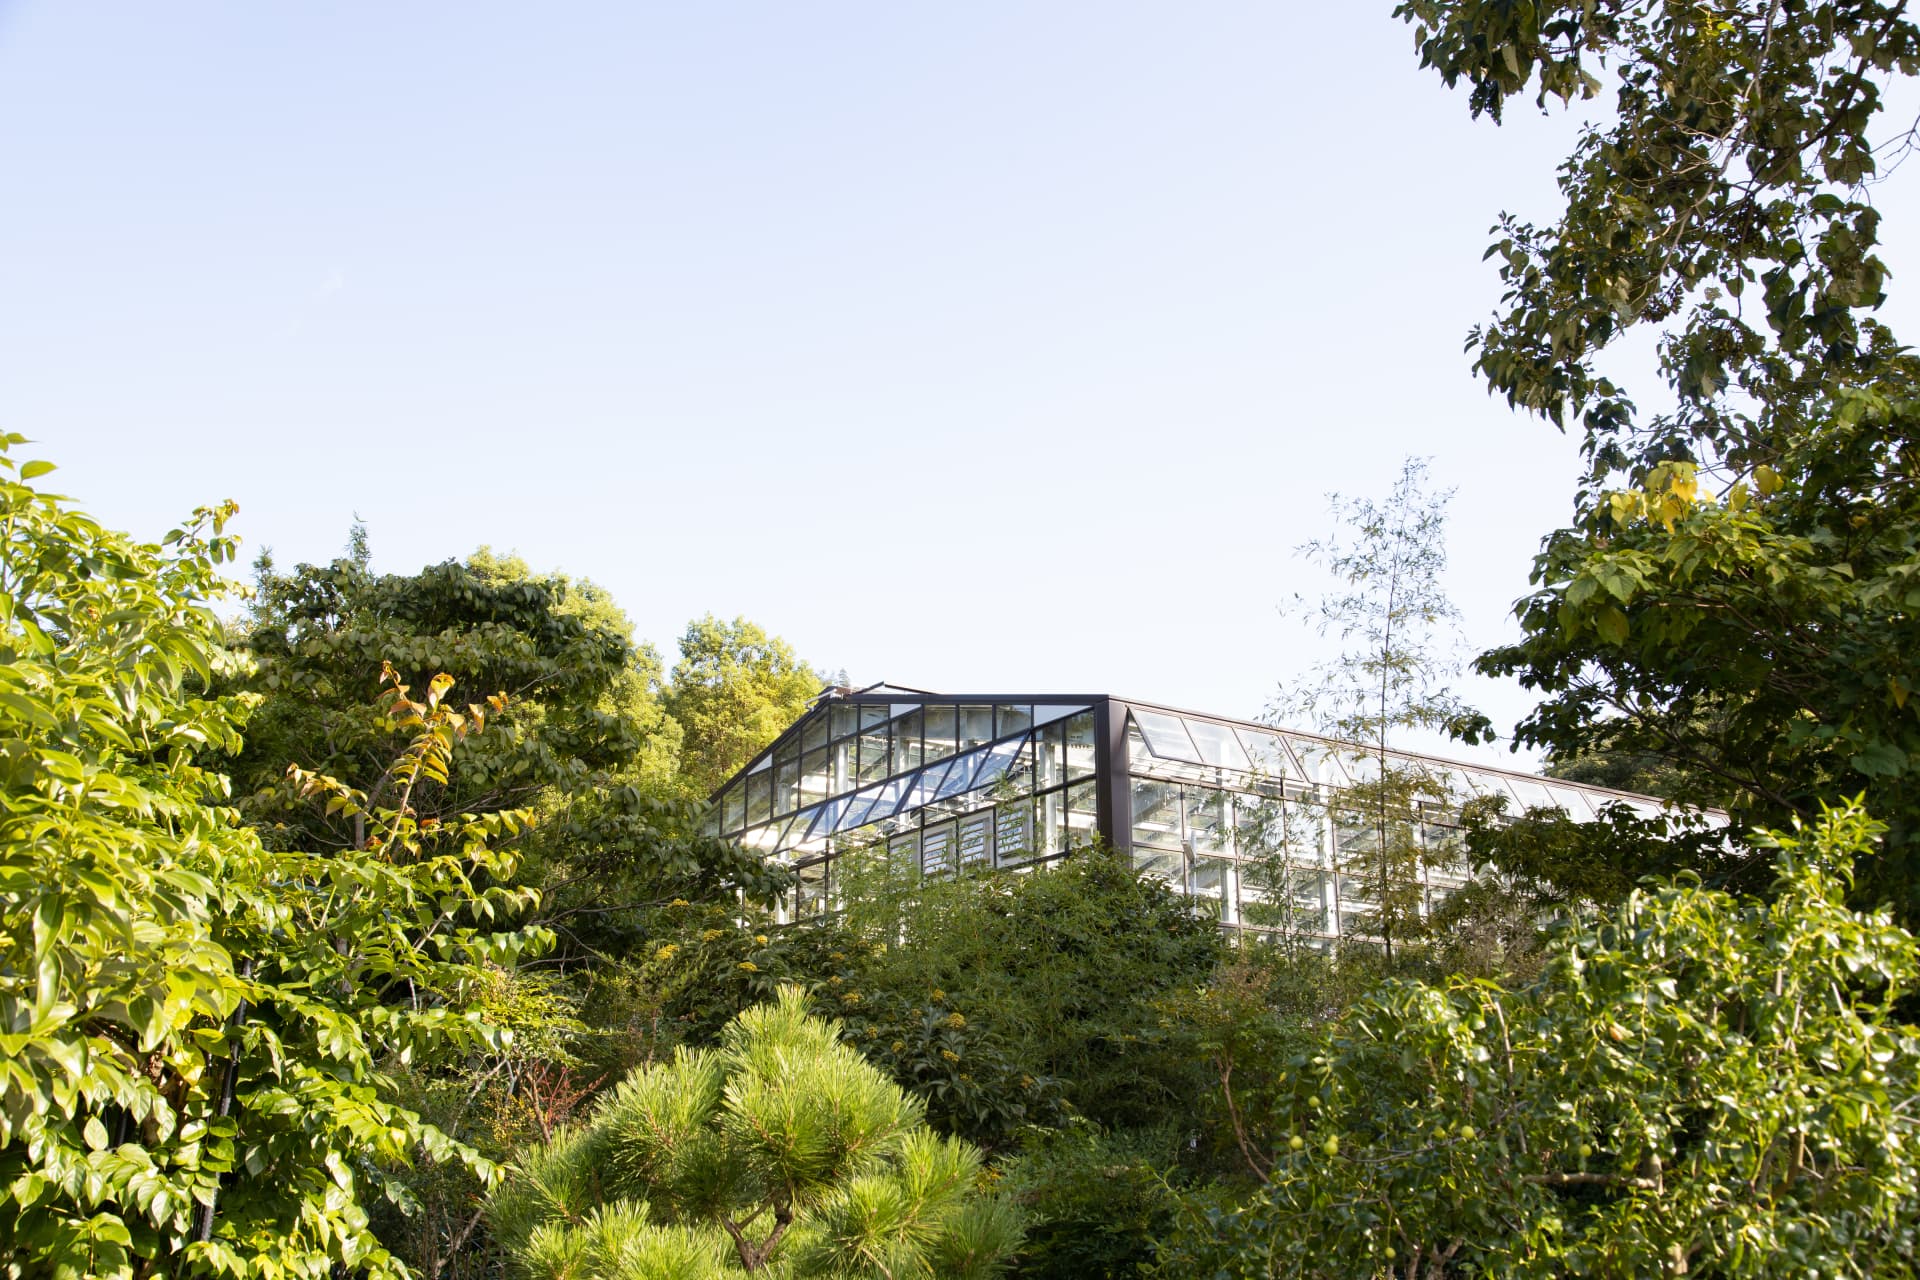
(733, 691)
(1736, 592)
(585, 741)
(782, 1152)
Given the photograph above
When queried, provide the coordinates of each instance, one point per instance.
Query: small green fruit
(1388, 1253)
(1296, 1142)
(1466, 1133)
(1586, 1149)
(1331, 1146)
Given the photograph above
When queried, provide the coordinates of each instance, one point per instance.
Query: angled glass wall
(1250, 822)
(943, 783)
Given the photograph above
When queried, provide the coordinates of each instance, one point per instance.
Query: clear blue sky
(970, 347)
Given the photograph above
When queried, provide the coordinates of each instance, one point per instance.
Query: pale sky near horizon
(976, 348)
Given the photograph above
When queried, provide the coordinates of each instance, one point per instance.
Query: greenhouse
(1245, 818)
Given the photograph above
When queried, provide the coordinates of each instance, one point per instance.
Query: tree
(733, 691)
(585, 741)
(780, 1152)
(1396, 624)
(192, 1023)
(583, 744)
(1064, 965)
(1735, 592)
(1696, 1084)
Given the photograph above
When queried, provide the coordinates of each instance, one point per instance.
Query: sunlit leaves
(1695, 1081)
(190, 1024)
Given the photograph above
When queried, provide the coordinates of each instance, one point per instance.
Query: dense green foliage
(1697, 1084)
(1067, 964)
(779, 1153)
(996, 1000)
(585, 741)
(192, 1022)
(734, 689)
(298, 1026)
(1735, 594)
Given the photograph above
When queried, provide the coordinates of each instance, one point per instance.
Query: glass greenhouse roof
(945, 782)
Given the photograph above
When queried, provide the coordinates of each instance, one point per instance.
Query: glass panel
(1575, 801)
(762, 840)
(814, 735)
(1212, 888)
(816, 776)
(1049, 757)
(1318, 762)
(845, 758)
(936, 850)
(925, 787)
(1296, 899)
(1167, 737)
(759, 798)
(858, 811)
(1291, 831)
(764, 762)
(1009, 719)
(1081, 799)
(976, 839)
(826, 818)
(976, 726)
(1080, 746)
(1139, 759)
(812, 890)
(786, 786)
(998, 760)
(1268, 754)
(1443, 849)
(1013, 832)
(887, 803)
(1217, 744)
(942, 728)
(1354, 834)
(907, 754)
(1209, 827)
(1165, 866)
(1361, 765)
(845, 719)
(873, 714)
(802, 824)
(1047, 713)
(733, 808)
(1156, 813)
(874, 757)
(1082, 825)
(1051, 824)
(960, 778)
(1533, 795)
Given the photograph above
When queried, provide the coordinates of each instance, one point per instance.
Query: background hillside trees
(733, 691)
